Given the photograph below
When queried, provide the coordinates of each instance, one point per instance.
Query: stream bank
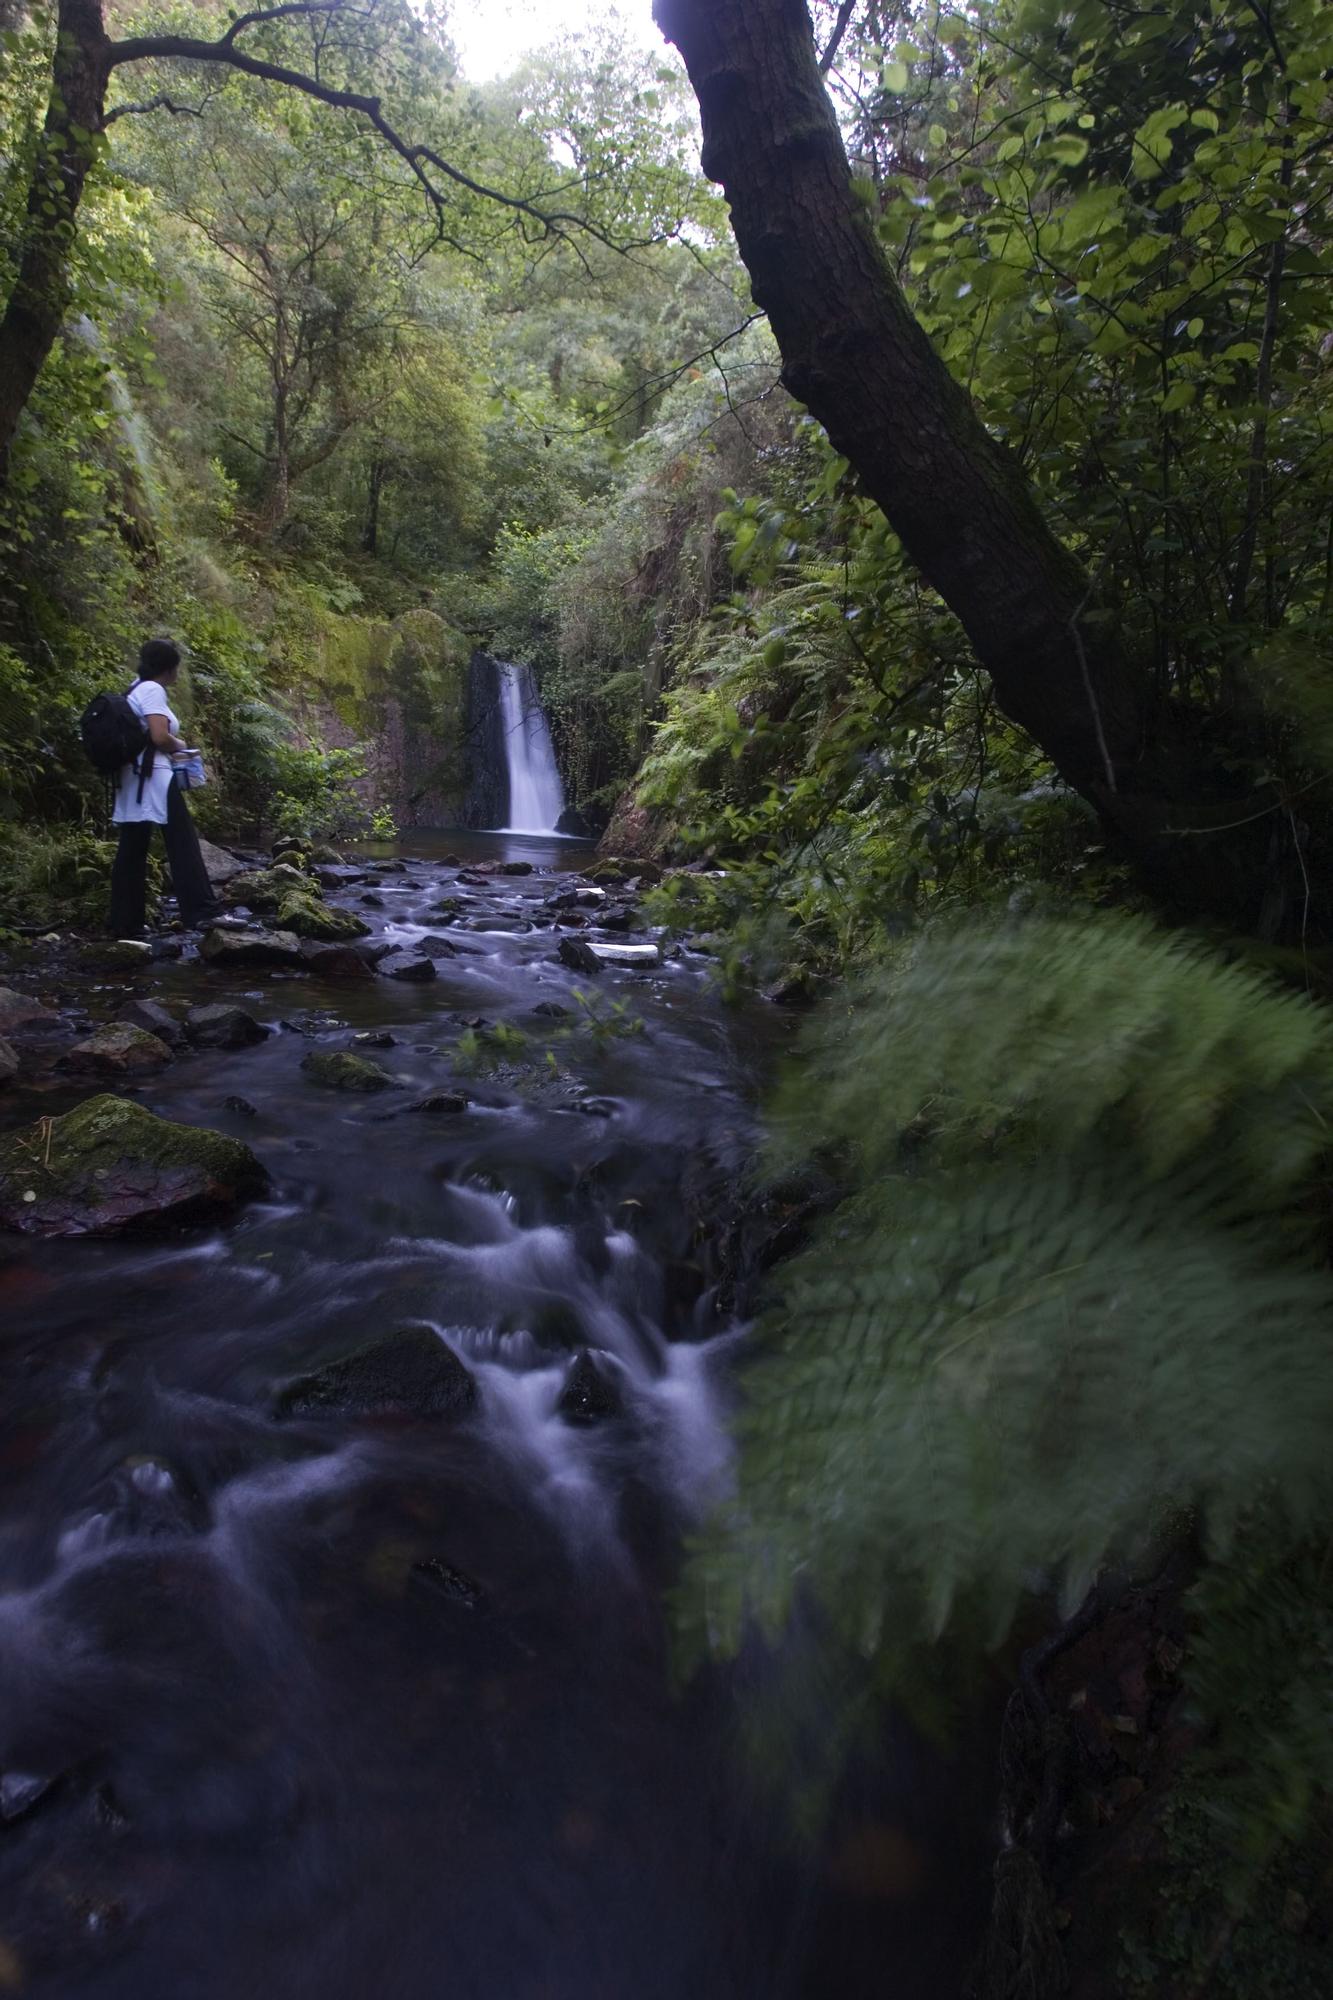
(349, 1702)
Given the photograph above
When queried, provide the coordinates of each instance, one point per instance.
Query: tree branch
(840, 27)
(186, 48)
(159, 103)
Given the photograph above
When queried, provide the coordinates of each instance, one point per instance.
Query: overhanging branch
(424, 161)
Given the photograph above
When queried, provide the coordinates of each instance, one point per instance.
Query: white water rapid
(536, 796)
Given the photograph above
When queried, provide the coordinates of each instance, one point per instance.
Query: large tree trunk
(41, 295)
(857, 358)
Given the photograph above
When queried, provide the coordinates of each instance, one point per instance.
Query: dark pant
(129, 871)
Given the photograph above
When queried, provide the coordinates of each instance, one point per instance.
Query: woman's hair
(158, 657)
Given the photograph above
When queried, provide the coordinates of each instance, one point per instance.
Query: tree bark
(857, 358)
(41, 295)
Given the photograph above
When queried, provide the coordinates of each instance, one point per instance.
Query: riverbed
(385, 1707)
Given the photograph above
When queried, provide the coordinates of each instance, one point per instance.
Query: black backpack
(113, 734)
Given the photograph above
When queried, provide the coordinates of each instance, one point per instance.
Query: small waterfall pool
(536, 796)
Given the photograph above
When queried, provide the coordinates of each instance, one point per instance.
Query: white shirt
(146, 698)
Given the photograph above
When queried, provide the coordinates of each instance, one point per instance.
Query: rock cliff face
(398, 688)
(487, 800)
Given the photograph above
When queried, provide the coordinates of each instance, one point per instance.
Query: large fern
(1069, 1301)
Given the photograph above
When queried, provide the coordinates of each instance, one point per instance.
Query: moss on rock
(339, 1071)
(110, 1166)
(303, 912)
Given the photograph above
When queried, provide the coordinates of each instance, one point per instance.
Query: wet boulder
(411, 969)
(20, 1010)
(589, 897)
(264, 888)
(337, 1070)
(120, 1049)
(220, 1026)
(441, 1103)
(623, 868)
(111, 1166)
(154, 1019)
(337, 961)
(302, 911)
(590, 1393)
(247, 946)
(220, 866)
(515, 868)
(116, 955)
(370, 901)
(435, 947)
(578, 955)
(9, 1062)
(410, 1372)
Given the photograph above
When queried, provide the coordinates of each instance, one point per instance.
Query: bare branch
(840, 27)
(186, 48)
(159, 103)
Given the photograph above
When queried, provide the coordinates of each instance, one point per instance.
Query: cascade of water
(536, 796)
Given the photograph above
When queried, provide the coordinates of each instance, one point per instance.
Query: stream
(383, 1707)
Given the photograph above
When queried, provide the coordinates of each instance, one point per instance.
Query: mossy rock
(302, 911)
(110, 1167)
(340, 1071)
(410, 1372)
(264, 888)
(116, 955)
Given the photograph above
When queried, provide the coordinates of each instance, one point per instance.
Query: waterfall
(536, 796)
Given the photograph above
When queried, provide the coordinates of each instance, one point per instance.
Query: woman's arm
(162, 738)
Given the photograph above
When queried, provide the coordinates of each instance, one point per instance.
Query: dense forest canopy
(945, 559)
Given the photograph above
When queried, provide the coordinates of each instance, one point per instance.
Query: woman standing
(147, 795)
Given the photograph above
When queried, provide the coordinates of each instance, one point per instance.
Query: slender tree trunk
(1256, 485)
(278, 488)
(857, 358)
(40, 298)
(370, 534)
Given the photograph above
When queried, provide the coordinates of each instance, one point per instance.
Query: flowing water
(279, 1761)
(536, 796)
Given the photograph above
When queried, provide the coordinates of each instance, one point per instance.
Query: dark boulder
(338, 961)
(410, 1372)
(578, 956)
(436, 947)
(247, 945)
(590, 1393)
(154, 1019)
(411, 969)
(19, 1010)
(441, 1103)
(119, 1050)
(572, 822)
(219, 1026)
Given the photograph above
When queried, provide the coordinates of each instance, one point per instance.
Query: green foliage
(57, 878)
(1056, 1313)
(1247, 1836)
